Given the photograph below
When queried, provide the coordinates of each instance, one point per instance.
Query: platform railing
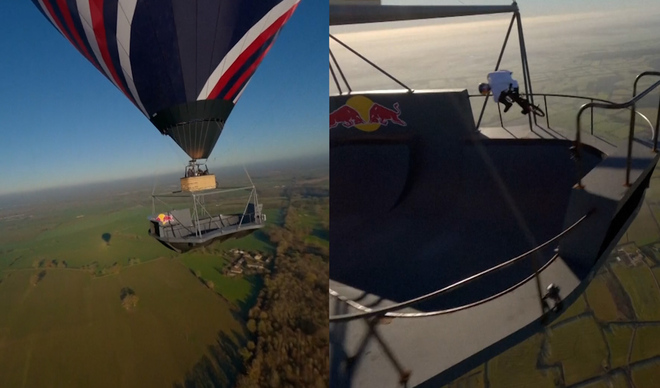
(388, 310)
(565, 96)
(624, 105)
(372, 316)
(657, 118)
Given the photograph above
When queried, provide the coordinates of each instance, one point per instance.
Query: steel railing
(566, 96)
(388, 310)
(611, 106)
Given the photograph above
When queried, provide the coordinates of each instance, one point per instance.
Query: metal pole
(631, 132)
(655, 133)
(341, 73)
(240, 222)
(506, 39)
(632, 124)
(369, 62)
(196, 217)
(578, 145)
(529, 76)
(525, 69)
(592, 117)
(334, 77)
(547, 113)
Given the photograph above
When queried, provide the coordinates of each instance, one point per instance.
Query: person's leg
(505, 100)
(524, 104)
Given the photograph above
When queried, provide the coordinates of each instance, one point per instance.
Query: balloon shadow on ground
(262, 236)
(106, 237)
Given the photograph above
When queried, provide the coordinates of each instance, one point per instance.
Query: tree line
(289, 344)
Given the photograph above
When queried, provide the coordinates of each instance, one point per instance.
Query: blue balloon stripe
(245, 72)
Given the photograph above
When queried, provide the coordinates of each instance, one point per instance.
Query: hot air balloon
(184, 65)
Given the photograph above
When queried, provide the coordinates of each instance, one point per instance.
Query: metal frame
(527, 81)
(372, 316)
(571, 96)
(447, 11)
(624, 105)
(199, 206)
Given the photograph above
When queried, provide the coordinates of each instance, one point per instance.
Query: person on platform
(505, 90)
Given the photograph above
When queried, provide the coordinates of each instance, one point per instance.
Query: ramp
(421, 206)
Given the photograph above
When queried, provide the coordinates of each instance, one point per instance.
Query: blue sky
(62, 122)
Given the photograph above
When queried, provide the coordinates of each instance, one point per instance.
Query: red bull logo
(164, 218)
(365, 115)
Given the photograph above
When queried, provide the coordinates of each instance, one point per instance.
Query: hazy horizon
(425, 54)
(113, 186)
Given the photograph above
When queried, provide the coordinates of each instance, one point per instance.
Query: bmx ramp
(420, 204)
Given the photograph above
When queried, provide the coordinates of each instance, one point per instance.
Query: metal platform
(450, 238)
(489, 196)
(182, 229)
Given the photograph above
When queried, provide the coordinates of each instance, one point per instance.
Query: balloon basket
(198, 183)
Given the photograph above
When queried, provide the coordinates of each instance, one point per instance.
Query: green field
(639, 283)
(617, 380)
(578, 307)
(618, 342)
(516, 367)
(601, 300)
(579, 347)
(474, 378)
(71, 319)
(235, 289)
(79, 241)
(644, 231)
(646, 343)
(646, 375)
(65, 267)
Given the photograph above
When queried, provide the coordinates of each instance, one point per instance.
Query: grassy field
(71, 319)
(80, 241)
(516, 367)
(646, 375)
(601, 300)
(646, 343)
(235, 289)
(474, 379)
(644, 231)
(579, 347)
(618, 341)
(640, 285)
(578, 307)
(70, 329)
(617, 380)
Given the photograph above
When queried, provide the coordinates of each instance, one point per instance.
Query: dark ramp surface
(418, 207)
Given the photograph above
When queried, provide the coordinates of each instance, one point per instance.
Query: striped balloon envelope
(183, 63)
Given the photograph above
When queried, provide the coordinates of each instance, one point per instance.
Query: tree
(130, 302)
(274, 379)
(252, 325)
